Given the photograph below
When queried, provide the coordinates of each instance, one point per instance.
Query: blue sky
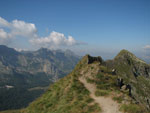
(97, 26)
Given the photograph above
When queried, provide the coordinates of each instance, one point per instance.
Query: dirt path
(106, 103)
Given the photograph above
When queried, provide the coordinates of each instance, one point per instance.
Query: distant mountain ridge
(42, 60)
(28, 69)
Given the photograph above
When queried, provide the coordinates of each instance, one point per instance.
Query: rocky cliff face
(50, 62)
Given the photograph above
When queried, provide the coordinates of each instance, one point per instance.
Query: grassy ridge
(68, 95)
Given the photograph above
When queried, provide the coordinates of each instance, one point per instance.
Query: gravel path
(106, 103)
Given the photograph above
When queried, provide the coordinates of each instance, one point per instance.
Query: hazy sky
(98, 27)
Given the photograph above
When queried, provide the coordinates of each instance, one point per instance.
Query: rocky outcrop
(142, 69)
(93, 59)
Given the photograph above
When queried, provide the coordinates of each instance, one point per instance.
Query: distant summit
(125, 54)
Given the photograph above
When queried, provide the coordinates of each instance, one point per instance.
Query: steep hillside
(136, 73)
(97, 86)
(25, 75)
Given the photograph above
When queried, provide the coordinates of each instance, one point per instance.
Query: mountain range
(25, 75)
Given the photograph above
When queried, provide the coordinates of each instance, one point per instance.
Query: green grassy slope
(135, 72)
(68, 95)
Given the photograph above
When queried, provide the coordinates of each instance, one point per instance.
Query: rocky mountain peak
(6, 51)
(126, 55)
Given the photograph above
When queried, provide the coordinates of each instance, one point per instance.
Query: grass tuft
(131, 108)
(102, 93)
